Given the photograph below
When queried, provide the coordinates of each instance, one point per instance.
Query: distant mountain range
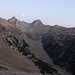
(35, 48)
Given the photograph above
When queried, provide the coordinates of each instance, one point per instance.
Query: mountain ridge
(33, 36)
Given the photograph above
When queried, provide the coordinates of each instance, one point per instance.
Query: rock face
(59, 43)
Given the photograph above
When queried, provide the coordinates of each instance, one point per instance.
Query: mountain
(33, 30)
(8, 56)
(59, 43)
(23, 48)
(35, 46)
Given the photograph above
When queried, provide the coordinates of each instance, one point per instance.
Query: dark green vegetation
(22, 47)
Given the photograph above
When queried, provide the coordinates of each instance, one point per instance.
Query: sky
(50, 12)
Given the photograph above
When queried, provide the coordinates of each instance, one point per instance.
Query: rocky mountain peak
(56, 25)
(13, 18)
(36, 22)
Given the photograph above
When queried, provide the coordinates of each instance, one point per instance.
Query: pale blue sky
(61, 12)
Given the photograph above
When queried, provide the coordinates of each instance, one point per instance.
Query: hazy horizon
(50, 12)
